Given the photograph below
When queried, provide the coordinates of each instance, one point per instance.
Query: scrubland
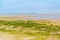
(29, 30)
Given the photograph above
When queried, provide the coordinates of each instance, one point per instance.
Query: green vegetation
(31, 28)
(31, 24)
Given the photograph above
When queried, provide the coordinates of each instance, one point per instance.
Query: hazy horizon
(36, 16)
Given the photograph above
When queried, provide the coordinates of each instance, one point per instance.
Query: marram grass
(31, 30)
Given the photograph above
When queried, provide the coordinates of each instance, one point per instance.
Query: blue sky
(29, 6)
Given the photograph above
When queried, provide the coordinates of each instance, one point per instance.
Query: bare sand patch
(52, 38)
(6, 36)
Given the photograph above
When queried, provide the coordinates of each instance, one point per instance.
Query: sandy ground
(53, 38)
(6, 36)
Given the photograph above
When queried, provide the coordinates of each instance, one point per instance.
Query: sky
(29, 6)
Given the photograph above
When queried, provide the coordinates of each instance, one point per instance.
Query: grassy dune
(29, 30)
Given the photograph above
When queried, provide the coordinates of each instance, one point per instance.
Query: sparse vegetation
(41, 29)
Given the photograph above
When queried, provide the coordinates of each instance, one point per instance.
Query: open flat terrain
(29, 28)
